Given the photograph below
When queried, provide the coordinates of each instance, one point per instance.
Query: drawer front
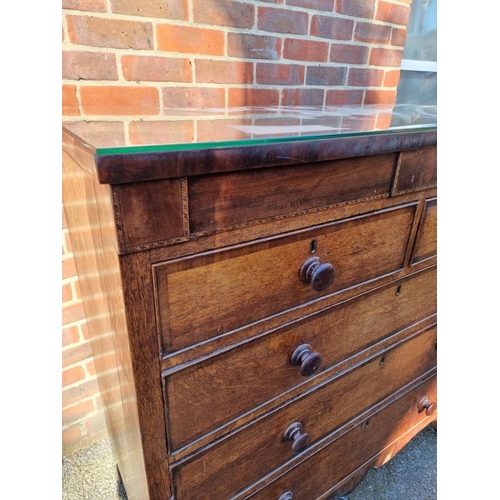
(322, 471)
(426, 241)
(211, 294)
(258, 449)
(217, 201)
(417, 170)
(236, 381)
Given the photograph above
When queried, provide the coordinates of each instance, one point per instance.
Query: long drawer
(211, 294)
(234, 382)
(321, 472)
(259, 448)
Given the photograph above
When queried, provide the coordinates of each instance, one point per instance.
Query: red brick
(326, 5)
(343, 97)
(171, 9)
(362, 77)
(70, 335)
(392, 78)
(383, 121)
(305, 50)
(77, 412)
(209, 71)
(85, 5)
(144, 132)
(83, 391)
(190, 40)
(252, 97)
(386, 57)
(69, 101)
(193, 97)
(350, 54)
(282, 21)
(398, 38)
(131, 101)
(302, 97)
(380, 97)
(280, 74)
(253, 46)
(67, 293)
(90, 366)
(326, 75)
(80, 65)
(76, 354)
(71, 435)
(389, 12)
(214, 130)
(334, 28)
(72, 313)
(78, 292)
(372, 33)
(72, 375)
(356, 8)
(156, 69)
(224, 13)
(64, 221)
(68, 268)
(84, 328)
(115, 33)
(100, 133)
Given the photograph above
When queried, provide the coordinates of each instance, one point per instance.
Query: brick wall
(125, 59)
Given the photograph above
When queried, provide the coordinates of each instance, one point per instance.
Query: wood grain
(216, 201)
(417, 170)
(426, 241)
(238, 380)
(330, 465)
(211, 294)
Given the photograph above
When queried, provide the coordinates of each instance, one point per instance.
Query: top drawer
(232, 199)
(214, 293)
(417, 170)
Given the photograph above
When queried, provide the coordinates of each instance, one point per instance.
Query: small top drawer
(417, 170)
(235, 198)
(211, 294)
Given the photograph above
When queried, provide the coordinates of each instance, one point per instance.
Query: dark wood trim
(134, 167)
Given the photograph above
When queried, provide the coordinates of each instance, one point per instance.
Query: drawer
(259, 448)
(321, 472)
(210, 294)
(234, 382)
(232, 199)
(426, 240)
(416, 170)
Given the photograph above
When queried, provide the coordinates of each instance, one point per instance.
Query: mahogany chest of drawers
(263, 317)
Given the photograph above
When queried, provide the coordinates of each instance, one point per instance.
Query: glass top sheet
(177, 129)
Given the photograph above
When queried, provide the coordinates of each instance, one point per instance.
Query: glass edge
(157, 148)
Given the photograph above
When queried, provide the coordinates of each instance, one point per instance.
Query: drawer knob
(308, 361)
(300, 440)
(319, 275)
(425, 404)
(286, 496)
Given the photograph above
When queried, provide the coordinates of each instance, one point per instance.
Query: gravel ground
(90, 474)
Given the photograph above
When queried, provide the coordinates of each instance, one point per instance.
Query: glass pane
(421, 39)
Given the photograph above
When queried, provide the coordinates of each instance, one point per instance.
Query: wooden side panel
(236, 381)
(89, 212)
(205, 296)
(389, 428)
(417, 170)
(426, 241)
(217, 201)
(255, 451)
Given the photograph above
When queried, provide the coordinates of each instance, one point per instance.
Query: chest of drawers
(262, 316)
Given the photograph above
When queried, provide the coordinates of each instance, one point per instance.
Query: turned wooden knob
(425, 404)
(319, 275)
(300, 439)
(308, 361)
(286, 496)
